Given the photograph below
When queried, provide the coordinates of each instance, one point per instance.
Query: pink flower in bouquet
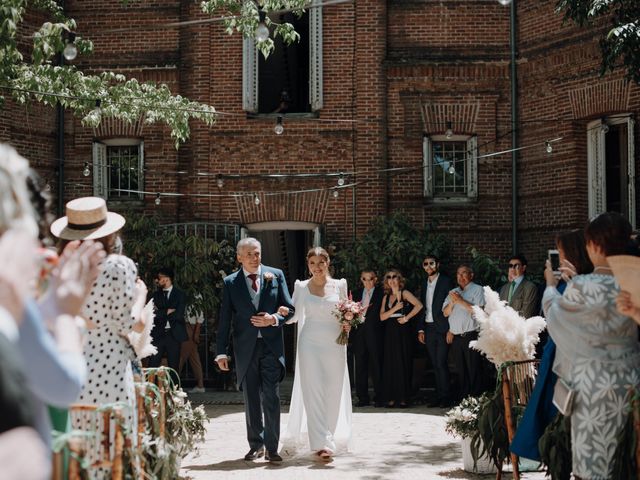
(348, 312)
(348, 316)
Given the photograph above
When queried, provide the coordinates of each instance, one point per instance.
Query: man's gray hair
(248, 242)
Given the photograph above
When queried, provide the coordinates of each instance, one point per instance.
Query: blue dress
(540, 410)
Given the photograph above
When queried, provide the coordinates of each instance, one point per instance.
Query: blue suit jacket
(236, 312)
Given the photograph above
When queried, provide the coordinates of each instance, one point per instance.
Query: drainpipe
(514, 132)
(60, 131)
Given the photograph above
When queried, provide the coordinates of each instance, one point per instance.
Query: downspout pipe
(514, 131)
(60, 143)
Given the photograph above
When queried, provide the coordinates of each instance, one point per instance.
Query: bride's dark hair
(318, 252)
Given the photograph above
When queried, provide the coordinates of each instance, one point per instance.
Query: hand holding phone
(554, 259)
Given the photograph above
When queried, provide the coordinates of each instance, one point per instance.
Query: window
(611, 170)
(118, 169)
(290, 79)
(450, 168)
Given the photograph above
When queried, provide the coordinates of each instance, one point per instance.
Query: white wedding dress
(320, 412)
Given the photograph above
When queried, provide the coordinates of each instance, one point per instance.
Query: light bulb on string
(341, 180)
(335, 193)
(504, 2)
(47, 187)
(70, 51)
(604, 127)
(452, 169)
(449, 132)
(86, 171)
(262, 31)
(220, 181)
(548, 146)
(256, 200)
(279, 128)
(157, 200)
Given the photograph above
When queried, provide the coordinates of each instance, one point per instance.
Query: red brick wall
(388, 66)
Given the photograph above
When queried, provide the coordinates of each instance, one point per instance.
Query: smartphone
(554, 258)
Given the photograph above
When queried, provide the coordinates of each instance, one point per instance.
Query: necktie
(512, 287)
(166, 294)
(254, 283)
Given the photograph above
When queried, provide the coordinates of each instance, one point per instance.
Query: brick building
(424, 85)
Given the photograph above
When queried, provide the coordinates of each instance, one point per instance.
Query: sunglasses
(429, 263)
(515, 266)
(391, 277)
(365, 279)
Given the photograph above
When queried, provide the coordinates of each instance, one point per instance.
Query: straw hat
(87, 218)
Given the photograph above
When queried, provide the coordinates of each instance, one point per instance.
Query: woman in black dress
(399, 306)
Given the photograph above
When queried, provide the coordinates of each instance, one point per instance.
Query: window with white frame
(611, 168)
(450, 168)
(118, 169)
(290, 79)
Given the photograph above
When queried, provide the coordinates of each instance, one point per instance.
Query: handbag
(563, 397)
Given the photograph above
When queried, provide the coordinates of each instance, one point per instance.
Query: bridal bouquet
(348, 312)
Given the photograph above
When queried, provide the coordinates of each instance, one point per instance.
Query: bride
(320, 413)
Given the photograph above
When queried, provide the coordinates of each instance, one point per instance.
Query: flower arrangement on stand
(504, 337)
(348, 312)
(462, 421)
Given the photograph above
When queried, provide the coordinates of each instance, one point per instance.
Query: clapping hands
(19, 269)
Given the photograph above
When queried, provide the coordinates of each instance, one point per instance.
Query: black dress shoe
(272, 457)
(254, 453)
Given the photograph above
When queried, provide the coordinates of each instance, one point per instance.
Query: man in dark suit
(433, 326)
(367, 341)
(520, 293)
(169, 330)
(250, 301)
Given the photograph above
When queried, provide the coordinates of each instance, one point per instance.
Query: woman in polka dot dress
(112, 310)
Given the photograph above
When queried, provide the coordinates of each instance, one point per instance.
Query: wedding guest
(112, 309)
(597, 354)
(398, 307)
(321, 389)
(540, 410)
(368, 341)
(169, 329)
(463, 328)
(433, 326)
(519, 293)
(189, 349)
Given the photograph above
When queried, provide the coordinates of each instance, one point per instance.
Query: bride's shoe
(324, 455)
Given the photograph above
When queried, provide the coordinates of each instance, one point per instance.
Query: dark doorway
(286, 250)
(616, 167)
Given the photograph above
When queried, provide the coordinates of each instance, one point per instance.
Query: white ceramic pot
(484, 463)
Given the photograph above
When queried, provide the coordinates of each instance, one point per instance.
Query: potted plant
(462, 421)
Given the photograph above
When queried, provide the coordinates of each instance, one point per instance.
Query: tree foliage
(620, 45)
(392, 242)
(92, 97)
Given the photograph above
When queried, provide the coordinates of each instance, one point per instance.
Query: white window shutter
(141, 170)
(100, 170)
(427, 164)
(596, 169)
(631, 172)
(315, 56)
(472, 167)
(249, 75)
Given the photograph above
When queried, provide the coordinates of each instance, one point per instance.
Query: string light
(220, 181)
(262, 31)
(341, 180)
(70, 51)
(157, 200)
(256, 200)
(452, 169)
(335, 193)
(548, 146)
(449, 132)
(86, 172)
(279, 128)
(504, 2)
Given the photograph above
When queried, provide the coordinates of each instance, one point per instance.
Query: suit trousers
(167, 344)
(467, 363)
(261, 390)
(438, 351)
(189, 350)
(367, 348)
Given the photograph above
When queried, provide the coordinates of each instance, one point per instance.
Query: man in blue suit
(250, 301)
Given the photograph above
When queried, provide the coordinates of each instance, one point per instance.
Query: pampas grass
(141, 342)
(505, 335)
